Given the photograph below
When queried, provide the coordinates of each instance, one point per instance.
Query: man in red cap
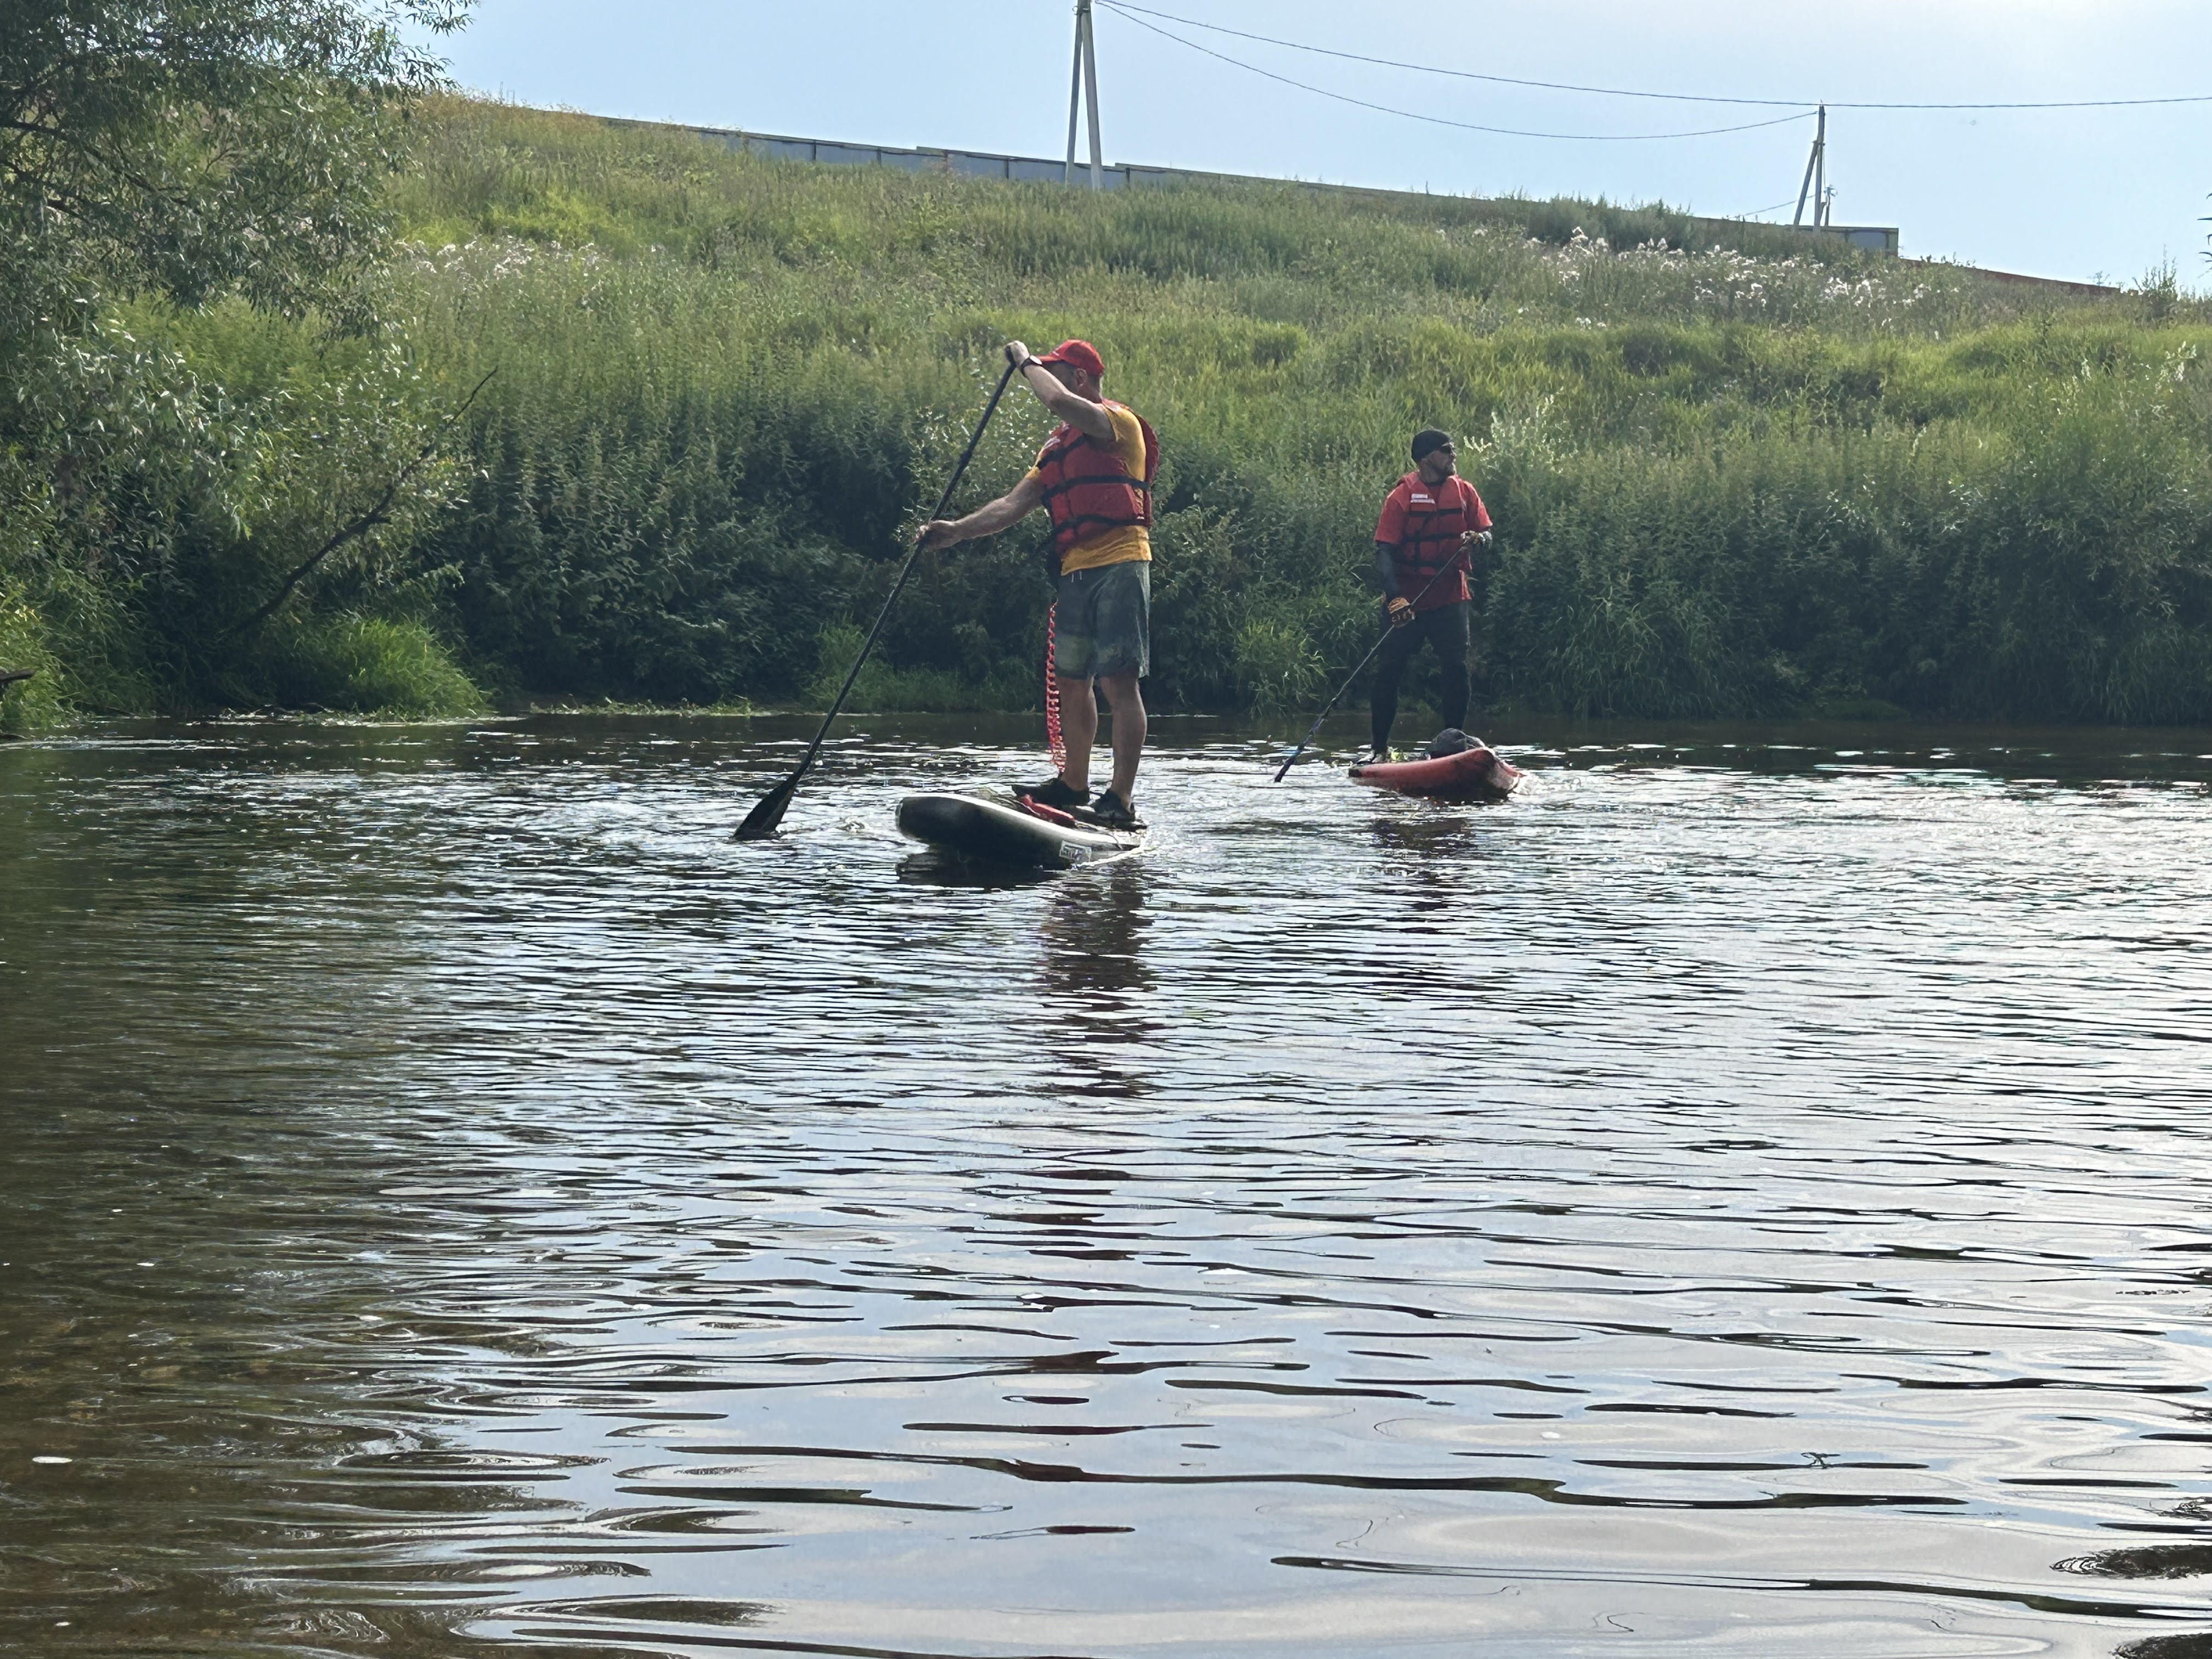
(1094, 478)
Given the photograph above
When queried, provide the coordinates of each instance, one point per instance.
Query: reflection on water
(1094, 1026)
(1093, 932)
(1746, 1196)
(1436, 853)
(932, 868)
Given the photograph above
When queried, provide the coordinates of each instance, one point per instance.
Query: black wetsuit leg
(1446, 629)
(1398, 648)
(1449, 633)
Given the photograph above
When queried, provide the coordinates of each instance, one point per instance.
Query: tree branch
(359, 525)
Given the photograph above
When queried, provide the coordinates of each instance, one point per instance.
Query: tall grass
(1760, 479)
(1771, 476)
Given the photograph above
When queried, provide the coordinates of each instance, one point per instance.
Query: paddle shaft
(763, 818)
(1316, 729)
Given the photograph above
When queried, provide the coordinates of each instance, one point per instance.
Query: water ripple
(1746, 1195)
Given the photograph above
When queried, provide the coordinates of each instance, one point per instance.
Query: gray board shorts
(1104, 623)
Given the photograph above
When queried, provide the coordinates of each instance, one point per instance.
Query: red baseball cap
(1081, 354)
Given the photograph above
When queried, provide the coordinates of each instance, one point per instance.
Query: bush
(1771, 477)
(372, 665)
(1762, 479)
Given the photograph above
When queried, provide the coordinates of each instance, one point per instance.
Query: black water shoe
(1112, 812)
(1053, 791)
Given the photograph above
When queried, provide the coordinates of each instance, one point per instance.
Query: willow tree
(160, 160)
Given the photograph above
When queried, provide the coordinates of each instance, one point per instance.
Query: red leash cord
(1052, 696)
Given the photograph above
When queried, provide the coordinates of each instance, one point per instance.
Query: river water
(1750, 1195)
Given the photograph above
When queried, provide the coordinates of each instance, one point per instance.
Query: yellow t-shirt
(1124, 543)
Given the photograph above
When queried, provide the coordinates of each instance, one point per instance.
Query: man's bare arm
(1009, 510)
(1088, 418)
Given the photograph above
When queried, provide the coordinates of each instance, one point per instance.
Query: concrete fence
(987, 164)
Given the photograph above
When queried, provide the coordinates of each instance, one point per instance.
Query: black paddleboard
(986, 830)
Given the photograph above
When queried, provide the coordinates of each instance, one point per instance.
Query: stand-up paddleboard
(1475, 774)
(991, 829)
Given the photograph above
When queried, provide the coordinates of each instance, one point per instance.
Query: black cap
(1428, 438)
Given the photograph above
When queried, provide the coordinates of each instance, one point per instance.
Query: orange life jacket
(1432, 541)
(1086, 488)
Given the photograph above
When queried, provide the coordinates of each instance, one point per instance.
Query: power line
(1438, 120)
(1128, 11)
(1431, 69)
(1755, 213)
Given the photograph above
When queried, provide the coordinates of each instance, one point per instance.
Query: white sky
(2086, 194)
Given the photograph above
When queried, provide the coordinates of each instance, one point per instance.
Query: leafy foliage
(1769, 477)
(176, 174)
(192, 147)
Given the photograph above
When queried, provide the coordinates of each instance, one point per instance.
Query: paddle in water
(761, 823)
(1315, 730)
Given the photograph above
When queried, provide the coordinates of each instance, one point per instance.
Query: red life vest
(1086, 488)
(1431, 542)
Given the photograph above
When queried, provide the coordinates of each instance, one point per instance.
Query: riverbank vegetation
(219, 454)
(635, 416)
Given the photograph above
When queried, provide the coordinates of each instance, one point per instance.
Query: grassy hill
(1770, 478)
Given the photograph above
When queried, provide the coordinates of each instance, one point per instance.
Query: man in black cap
(1430, 522)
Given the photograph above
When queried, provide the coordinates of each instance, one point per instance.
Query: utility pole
(1823, 197)
(1816, 170)
(1083, 78)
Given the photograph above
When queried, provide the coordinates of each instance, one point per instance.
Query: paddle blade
(761, 823)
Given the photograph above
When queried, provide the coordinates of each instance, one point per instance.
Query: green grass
(1762, 479)
(1774, 477)
(373, 665)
